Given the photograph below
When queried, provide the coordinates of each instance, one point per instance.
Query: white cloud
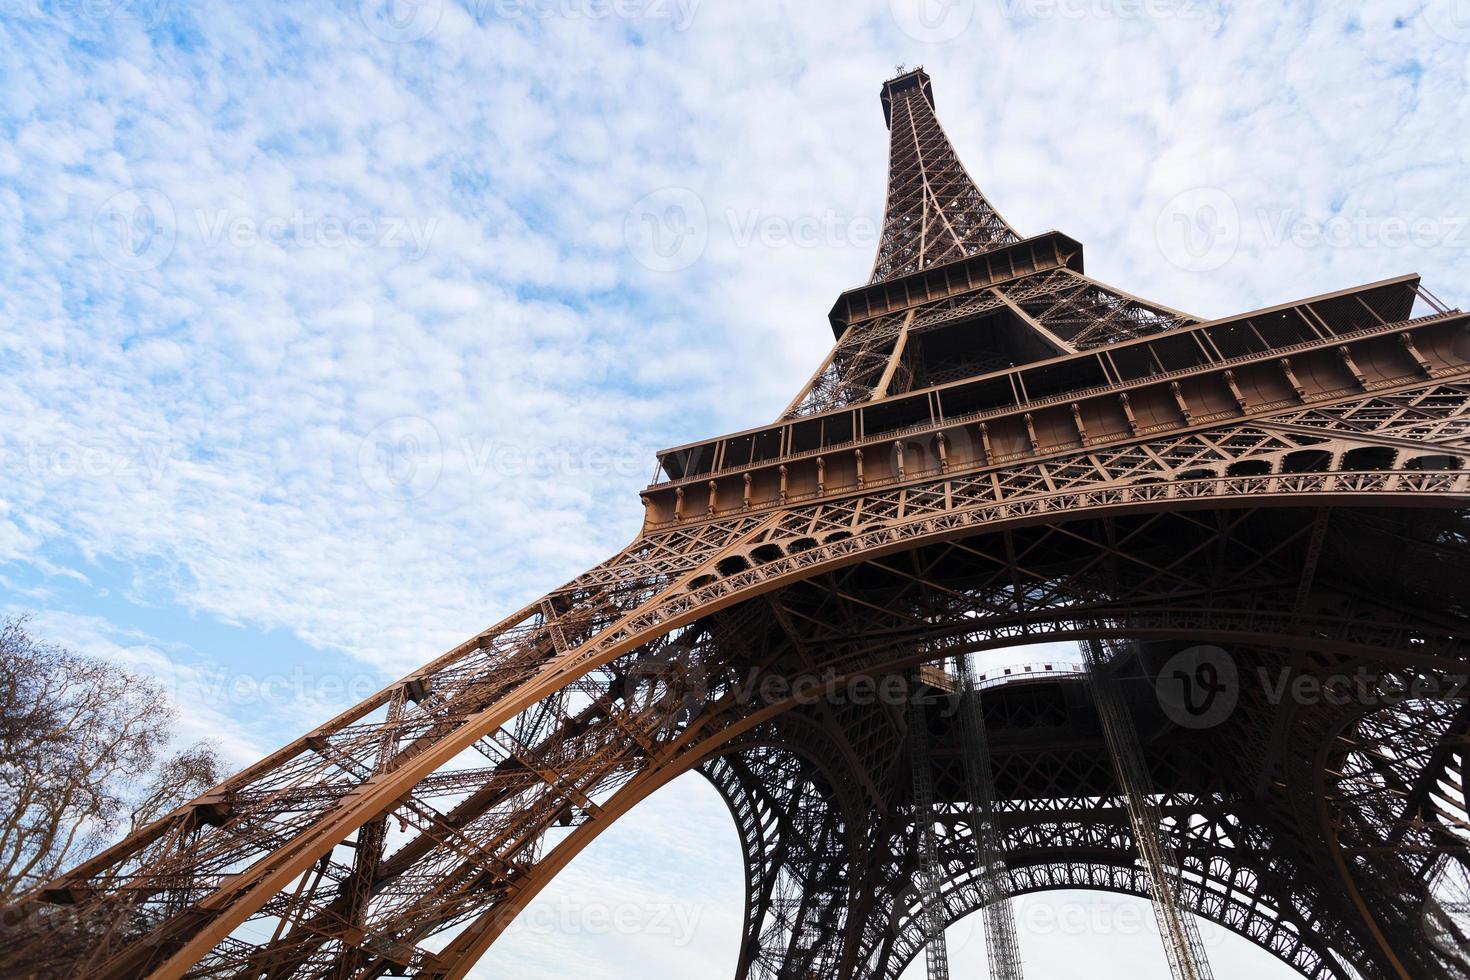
(666, 902)
(196, 406)
(196, 718)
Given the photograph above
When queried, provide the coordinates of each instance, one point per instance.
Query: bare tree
(182, 776)
(80, 747)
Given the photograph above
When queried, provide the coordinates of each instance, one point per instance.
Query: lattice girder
(935, 213)
(1058, 838)
(1139, 475)
(595, 743)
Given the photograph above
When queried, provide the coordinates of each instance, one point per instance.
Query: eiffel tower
(1255, 527)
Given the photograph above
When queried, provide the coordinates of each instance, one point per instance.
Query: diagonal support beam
(931, 910)
(1001, 945)
(1182, 944)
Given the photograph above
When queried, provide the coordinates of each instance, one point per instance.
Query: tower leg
(1002, 948)
(795, 832)
(931, 912)
(1182, 944)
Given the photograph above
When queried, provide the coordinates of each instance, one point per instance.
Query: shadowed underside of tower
(998, 452)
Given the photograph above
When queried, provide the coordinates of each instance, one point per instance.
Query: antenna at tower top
(905, 80)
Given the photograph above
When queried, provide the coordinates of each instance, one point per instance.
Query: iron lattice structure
(999, 451)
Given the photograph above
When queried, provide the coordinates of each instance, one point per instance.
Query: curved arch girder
(575, 731)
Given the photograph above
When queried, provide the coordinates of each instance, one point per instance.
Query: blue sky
(332, 332)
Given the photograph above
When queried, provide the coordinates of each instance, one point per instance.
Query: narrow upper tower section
(935, 213)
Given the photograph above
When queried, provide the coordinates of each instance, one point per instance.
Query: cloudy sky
(332, 332)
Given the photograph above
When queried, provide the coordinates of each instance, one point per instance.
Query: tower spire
(935, 213)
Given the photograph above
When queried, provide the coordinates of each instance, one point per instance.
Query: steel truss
(1002, 947)
(931, 919)
(1289, 484)
(1182, 944)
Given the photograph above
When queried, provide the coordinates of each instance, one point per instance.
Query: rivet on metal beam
(1127, 404)
(1408, 345)
(1077, 421)
(1291, 378)
(1352, 365)
(1235, 391)
(1178, 394)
